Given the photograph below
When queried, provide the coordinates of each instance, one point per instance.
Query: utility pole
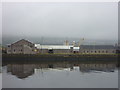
(41, 43)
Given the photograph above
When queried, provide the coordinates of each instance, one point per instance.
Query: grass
(77, 54)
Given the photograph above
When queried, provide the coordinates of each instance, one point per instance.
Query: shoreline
(60, 55)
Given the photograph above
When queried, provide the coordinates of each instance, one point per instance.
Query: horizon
(58, 40)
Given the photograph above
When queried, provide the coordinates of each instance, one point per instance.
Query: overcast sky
(88, 20)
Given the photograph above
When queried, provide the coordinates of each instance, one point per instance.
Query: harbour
(60, 74)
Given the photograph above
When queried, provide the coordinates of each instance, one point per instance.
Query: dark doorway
(50, 51)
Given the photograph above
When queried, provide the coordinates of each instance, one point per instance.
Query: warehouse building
(26, 47)
(99, 49)
(21, 47)
(54, 48)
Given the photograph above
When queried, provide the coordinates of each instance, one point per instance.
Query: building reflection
(98, 67)
(21, 70)
(26, 70)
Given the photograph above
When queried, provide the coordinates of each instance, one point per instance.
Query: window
(91, 51)
(50, 51)
(102, 51)
(87, 51)
(95, 51)
(106, 51)
(99, 51)
(14, 50)
(113, 51)
(21, 50)
(8, 45)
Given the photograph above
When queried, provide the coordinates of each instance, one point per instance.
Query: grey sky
(88, 20)
(0, 22)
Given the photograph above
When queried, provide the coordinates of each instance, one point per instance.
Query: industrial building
(65, 48)
(21, 47)
(26, 47)
(54, 48)
(97, 49)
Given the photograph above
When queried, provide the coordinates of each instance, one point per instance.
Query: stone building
(21, 47)
(97, 49)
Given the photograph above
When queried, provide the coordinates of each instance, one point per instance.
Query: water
(63, 74)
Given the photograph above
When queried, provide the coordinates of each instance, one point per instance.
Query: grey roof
(97, 47)
(20, 41)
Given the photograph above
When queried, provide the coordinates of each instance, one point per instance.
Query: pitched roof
(22, 40)
(97, 47)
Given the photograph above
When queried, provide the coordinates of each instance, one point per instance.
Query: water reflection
(25, 70)
(21, 71)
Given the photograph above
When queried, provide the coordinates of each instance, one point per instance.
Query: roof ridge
(21, 40)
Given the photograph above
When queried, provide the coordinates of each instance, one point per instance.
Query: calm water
(60, 75)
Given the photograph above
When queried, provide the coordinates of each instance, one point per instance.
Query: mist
(56, 22)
